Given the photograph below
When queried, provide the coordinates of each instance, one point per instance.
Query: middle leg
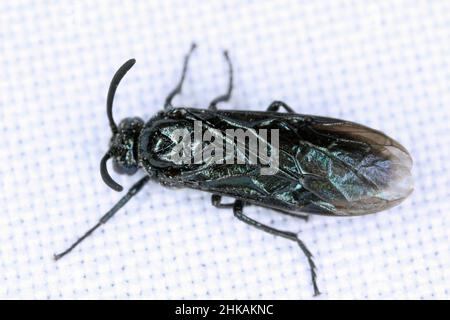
(177, 89)
(276, 105)
(225, 97)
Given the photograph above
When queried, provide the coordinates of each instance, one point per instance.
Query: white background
(385, 64)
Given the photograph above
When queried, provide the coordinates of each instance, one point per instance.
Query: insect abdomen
(326, 166)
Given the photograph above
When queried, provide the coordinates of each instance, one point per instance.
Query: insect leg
(276, 105)
(299, 215)
(216, 202)
(177, 89)
(132, 192)
(238, 213)
(226, 96)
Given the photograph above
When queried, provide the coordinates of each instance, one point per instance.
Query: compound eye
(131, 124)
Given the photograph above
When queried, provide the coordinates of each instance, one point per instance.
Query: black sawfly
(325, 166)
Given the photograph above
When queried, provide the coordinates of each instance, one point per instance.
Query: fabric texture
(384, 64)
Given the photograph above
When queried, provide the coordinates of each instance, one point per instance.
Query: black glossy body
(326, 166)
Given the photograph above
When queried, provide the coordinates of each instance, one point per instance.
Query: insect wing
(325, 165)
(354, 168)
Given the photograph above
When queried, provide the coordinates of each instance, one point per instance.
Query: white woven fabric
(385, 64)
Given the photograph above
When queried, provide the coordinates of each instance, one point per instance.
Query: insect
(325, 166)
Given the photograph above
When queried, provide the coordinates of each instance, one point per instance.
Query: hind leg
(238, 213)
(238, 206)
(216, 202)
(130, 194)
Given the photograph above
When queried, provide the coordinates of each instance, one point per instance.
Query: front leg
(130, 194)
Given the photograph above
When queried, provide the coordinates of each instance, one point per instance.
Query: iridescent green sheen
(326, 166)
